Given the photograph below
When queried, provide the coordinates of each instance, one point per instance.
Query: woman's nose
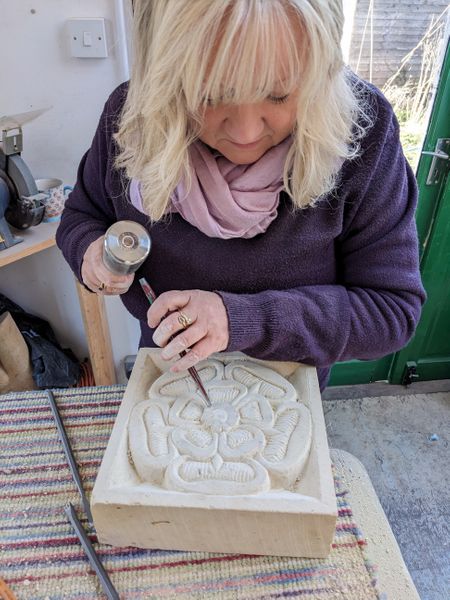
(245, 124)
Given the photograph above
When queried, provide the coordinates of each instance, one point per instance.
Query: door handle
(439, 154)
(438, 170)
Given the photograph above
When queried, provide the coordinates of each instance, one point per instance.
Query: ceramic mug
(56, 194)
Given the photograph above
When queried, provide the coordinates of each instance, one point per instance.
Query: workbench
(41, 237)
(41, 558)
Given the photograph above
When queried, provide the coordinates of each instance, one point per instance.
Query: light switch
(87, 38)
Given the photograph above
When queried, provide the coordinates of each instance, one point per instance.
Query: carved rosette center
(220, 417)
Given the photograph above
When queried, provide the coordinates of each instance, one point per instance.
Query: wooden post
(98, 336)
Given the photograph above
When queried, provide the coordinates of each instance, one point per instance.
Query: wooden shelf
(35, 239)
(92, 306)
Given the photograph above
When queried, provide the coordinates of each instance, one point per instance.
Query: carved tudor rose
(255, 436)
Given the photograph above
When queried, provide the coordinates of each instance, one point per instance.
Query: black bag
(52, 366)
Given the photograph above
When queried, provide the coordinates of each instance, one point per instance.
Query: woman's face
(243, 133)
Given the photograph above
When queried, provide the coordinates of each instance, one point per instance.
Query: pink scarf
(228, 200)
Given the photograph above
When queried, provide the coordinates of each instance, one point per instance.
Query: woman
(271, 180)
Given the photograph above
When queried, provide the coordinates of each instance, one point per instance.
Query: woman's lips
(245, 146)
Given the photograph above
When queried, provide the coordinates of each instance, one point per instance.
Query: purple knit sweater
(324, 284)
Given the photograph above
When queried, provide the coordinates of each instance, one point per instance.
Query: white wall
(36, 71)
(349, 7)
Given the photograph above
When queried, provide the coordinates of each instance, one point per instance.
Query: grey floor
(393, 437)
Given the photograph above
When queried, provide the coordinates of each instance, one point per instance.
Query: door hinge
(440, 163)
(410, 374)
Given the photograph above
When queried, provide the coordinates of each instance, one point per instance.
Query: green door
(427, 356)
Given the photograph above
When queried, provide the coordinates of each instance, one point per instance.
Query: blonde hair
(189, 51)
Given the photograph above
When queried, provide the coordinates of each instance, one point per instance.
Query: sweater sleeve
(375, 305)
(89, 210)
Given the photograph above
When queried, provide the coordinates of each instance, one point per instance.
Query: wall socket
(87, 38)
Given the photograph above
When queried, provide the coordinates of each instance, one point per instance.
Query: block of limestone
(249, 474)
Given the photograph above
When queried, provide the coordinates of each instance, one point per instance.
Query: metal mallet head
(126, 246)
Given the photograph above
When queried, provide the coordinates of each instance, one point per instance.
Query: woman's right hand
(97, 277)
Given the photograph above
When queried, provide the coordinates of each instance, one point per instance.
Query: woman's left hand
(197, 319)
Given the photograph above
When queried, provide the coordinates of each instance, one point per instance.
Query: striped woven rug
(41, 558)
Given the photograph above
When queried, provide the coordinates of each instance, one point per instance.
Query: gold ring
(184, 320)
(101, 287)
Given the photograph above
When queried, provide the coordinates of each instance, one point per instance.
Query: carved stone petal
(287, 444)
(273, 386)
(225, 391)
(257, 410)
(210, 369)
(170, 385)
(228, 478)
(149, 443)
(242, 442)
(174, 386)
(186, 412)
(154, 413)
(195, 443)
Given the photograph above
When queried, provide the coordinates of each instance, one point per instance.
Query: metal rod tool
(70, 457)
(151, 297)
(106, 582)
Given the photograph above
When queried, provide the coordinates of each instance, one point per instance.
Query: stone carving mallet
(126, 246)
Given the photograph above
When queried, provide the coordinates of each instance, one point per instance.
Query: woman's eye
(278, 99)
